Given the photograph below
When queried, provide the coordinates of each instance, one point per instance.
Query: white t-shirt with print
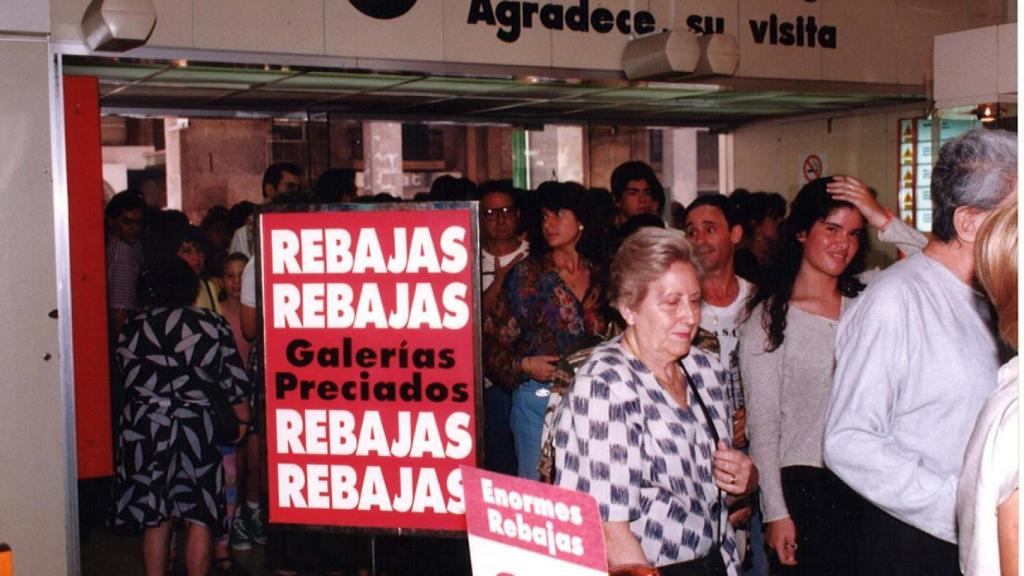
(724, 322)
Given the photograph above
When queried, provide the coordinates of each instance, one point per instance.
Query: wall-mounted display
(920, 140)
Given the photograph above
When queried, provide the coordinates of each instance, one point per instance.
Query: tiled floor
(109, 552)
(106, 552)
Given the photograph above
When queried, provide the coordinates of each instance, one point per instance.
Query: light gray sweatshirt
(917, 356)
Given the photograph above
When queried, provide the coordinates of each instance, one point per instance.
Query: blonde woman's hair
(641, 259)
(995, 252)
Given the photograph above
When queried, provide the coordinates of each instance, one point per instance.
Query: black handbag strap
(703, 406)
(209, 293)
(715, 437)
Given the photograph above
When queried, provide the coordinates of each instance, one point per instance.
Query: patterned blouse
(538, 314)
(167, 464)
(620, 438)
(170, 356)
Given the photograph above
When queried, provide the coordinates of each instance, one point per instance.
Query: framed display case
(920, 141)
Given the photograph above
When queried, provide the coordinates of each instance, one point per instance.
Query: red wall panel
(88, 276)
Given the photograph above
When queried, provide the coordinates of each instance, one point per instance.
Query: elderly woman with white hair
(646, 428)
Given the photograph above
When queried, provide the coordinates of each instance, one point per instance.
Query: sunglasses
(505, 212)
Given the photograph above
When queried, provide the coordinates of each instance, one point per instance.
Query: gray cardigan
(787, 390)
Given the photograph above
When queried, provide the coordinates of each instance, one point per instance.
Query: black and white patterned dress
(167, 463)
(620, 438)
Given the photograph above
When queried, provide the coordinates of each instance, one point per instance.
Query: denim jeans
(529, 403)
(757, 559)
(499, 444)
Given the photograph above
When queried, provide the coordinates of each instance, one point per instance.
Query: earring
(581, 227)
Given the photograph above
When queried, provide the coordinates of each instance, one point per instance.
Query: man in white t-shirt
(278, 178)
(500, 248)
(500, 243)
(713, 227)
(247, 527)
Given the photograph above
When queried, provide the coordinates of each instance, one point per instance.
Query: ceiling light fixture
(987, 112)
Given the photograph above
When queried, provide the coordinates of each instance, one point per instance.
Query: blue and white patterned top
(620, 438)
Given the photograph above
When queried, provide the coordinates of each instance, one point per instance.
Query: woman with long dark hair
(787, 348)
(551, 303)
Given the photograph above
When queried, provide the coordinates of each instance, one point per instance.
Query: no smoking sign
(812, 167)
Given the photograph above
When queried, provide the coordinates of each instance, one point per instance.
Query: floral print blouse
(538, 314)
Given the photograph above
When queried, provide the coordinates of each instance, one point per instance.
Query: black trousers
(890, 547)
(827, 517)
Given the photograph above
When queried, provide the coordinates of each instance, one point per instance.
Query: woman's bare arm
(623, 547)
(247, 317)
(1007, 521)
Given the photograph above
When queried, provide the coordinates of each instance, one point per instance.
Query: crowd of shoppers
(739, 394)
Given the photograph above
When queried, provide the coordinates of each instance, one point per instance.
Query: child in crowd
(230, 305)
(230, 299)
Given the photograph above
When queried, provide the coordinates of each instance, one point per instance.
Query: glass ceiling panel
(459, 86)
(220, 76)
(640, 94)
(252, 88)
(192, 93)
(343, 81)
(122, 73)
(556, 91)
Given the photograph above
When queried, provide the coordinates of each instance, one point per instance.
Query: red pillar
(88, 276)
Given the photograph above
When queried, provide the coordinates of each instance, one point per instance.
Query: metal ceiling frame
(400, 91)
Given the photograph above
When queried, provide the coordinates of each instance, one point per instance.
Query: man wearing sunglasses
(501, 246)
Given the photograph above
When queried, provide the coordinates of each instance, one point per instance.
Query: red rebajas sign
(370, 360)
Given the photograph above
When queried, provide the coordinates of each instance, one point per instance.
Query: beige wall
(609, 146)
(555, 153)
(769, 155)
(488, 153)
(976, 66)
(222, 162)
(33, 444)
(877, 41)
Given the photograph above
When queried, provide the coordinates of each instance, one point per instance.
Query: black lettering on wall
(508, 16)
(801, 32)
(512, 16)
(481, 10)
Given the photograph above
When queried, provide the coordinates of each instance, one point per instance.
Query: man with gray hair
(916, 358)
